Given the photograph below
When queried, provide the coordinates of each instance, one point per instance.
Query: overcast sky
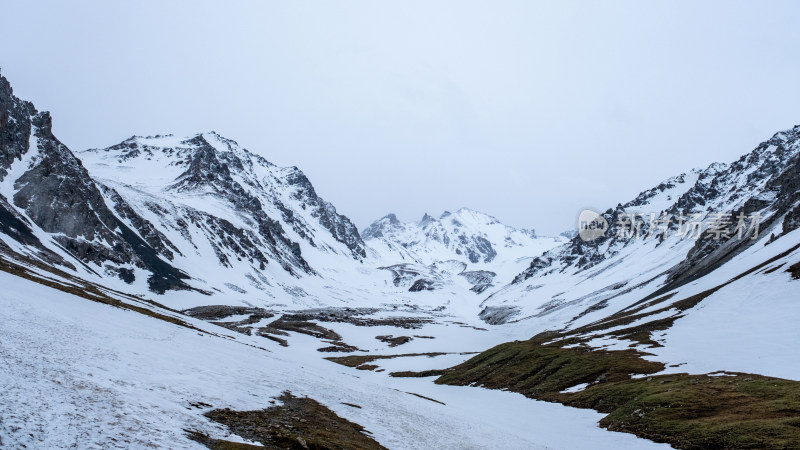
(528, 111)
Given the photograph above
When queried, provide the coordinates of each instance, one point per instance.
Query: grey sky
(528, 111)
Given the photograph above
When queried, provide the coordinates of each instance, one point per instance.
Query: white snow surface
(83, 374)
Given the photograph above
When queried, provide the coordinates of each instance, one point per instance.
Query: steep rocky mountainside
(209, 164)
(762, 182)
(50, 203)
(226, 211)
(669, 236)
(172, 211)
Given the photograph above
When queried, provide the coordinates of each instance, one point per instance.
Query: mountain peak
(280, 201)
(465, 235)
(382, 227)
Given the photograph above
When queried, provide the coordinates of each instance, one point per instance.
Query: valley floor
(76, 373)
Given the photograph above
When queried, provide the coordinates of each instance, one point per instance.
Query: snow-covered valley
(154, 281)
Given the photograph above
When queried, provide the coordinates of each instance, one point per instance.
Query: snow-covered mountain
(466, 235)
(249, 258)
(205, 216)
(706, 228)
(51, 209)
(198, 214)
(467, 238)
(230, 218)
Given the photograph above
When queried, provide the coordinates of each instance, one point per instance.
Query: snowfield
(82, 374)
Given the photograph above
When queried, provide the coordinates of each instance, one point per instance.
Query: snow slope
(78, 373)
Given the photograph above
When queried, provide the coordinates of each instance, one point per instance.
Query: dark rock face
(480, 248)
(59, 196)
(340, 227)
(780, 198)
(480, 279)
(380, 227)
(15, 126)
(422, 285)
(211, 169)
(146, 230)
(18, 228)
(497, 315)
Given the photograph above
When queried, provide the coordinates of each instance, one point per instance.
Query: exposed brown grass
(298, 423)
(361, 361)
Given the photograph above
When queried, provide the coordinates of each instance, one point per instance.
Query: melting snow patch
(576, 388)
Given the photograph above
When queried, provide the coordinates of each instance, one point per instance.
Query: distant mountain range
(203, 215)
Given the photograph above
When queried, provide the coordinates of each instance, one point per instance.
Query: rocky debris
(422, 285)
(496, 315)
(266, 334)
(298, 423)
(481, 280)
(339, 347)
(217, 312)
(420, 277)
(304, 322)
(234, 326)
(354, 316)
(289, 323)
(407, 274)
(394, 341)
(361, 362)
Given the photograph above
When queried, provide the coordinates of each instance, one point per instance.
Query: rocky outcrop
(54, 190)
